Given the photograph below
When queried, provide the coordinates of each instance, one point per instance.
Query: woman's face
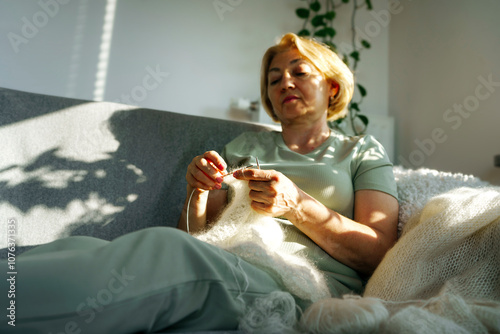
(296, 89)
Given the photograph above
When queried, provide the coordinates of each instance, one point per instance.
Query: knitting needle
(249, 166)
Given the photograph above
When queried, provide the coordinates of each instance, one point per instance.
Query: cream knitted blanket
(447, 263)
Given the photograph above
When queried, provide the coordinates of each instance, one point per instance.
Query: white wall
(427, 57)
(440, 54)
(210, 56)
(60, 57)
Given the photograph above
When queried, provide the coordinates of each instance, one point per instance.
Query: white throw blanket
(443, 275)
(455, 240)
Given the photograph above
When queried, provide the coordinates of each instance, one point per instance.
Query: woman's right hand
(205, 171)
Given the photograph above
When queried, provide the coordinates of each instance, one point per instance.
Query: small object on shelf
(245, 110)
(497, 160)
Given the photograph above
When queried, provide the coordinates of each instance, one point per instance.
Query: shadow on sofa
(99, 169)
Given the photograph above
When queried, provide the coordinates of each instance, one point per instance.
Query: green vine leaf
(366, 44)
(315, 6)
(354, 106)
(321, 33)
(369, 4)
(345, 59)
(304, 32)
(317, 21)
(327, 31)
(303, 13)
(345, 1)
(363, 119)
(330, 15)
(362, 90)
(355, 55)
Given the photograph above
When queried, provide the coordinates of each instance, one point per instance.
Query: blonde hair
(324, 59)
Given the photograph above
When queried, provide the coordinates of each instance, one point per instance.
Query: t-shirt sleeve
(372, 168)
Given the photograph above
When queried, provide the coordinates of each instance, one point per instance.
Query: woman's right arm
(204, 194)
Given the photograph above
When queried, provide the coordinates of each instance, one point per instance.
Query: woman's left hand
(271, 192)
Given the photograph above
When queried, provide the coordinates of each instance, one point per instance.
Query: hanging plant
(319, 16)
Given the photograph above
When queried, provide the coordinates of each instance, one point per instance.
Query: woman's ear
(334, 87)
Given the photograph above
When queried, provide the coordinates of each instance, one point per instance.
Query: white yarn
(350, 315)
(188, 210)
(445, 313)
(414, 320)
(257, 239)
(275, 313)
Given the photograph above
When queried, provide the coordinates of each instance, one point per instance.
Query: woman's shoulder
(363, 142)
(361, 149)
(362, 138)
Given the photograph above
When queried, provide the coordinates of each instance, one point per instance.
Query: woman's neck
(305, 138)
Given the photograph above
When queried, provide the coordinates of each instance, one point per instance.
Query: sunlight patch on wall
(105, 48)
(74, 66)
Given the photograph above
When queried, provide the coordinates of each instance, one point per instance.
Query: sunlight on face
(296, 88)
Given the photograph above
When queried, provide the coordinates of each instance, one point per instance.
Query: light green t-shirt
(331, 173)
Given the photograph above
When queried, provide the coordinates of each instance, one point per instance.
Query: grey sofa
(74, 167)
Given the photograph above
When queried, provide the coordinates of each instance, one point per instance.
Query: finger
(256, 174)
(262, 208)
(200, 181)
(202, 177)
(195, 173)
(261, 197)
(216, 160)
(264, 188)
(206, 167)
(195, 183)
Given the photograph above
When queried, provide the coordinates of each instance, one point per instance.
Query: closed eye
(274, 82)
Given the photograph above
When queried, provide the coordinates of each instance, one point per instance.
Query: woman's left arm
(359, 243)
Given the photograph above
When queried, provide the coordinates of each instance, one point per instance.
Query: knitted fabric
(454, 240)
(447, 263)
(257, 239)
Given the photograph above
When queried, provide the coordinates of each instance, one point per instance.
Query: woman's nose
(287, 81)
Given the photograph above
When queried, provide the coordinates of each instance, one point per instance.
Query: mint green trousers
(157, 279)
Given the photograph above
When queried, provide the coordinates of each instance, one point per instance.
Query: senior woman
(337, 193)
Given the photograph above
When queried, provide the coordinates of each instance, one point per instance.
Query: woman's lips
(289, 99)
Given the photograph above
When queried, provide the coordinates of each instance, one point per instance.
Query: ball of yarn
(271, 314)
(348, 315)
